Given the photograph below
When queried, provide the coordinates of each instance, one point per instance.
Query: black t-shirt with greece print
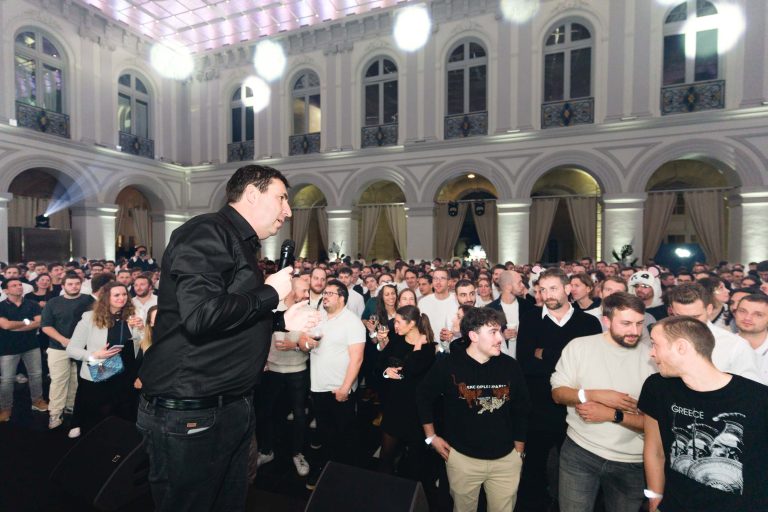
(715, 444)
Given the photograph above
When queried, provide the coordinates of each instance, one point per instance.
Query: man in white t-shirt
(751, 316)
(440, 307)
(599, 378)
(334, 364)
(144, 298)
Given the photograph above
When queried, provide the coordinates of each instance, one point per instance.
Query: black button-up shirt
(214, 319)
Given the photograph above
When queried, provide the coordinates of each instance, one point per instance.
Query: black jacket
(214, 319)
(524, 307)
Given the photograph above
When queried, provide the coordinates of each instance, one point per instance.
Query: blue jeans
(582, 474)
(8, 365)
(198, 459)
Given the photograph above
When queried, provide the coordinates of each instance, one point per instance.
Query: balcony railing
(304, 144)
(240, 151)
(684, 98)
(555, 114)
(466, 125)
(381, 135)
(41, 120)
(135, 145)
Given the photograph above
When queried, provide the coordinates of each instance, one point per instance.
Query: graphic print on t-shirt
(709, 450)
(474, 395)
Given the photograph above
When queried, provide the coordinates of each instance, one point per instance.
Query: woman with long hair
(406, 297)
(43, 290)
(146, 340)
(110, 330)
(581, 292)
(406, 354)
(376, 322)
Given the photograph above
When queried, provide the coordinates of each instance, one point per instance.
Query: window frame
(135, 96)
(466, 64)
(679, 28)
(41, 59)
(380, 80)
(567, 48)
(305, 93)
(242, 104)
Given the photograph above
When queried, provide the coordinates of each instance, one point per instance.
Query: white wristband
(652, 494)
(582, 396)
(430, 439)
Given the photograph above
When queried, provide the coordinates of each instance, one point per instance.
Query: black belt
(191, 404)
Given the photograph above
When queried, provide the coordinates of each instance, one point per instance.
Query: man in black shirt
(211, 340)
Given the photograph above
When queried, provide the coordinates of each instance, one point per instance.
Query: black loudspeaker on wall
(108, 466)
(343, 488)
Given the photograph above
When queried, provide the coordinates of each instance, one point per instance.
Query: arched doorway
(566, 216)
(133, 223)
(309, 223)
(466, 224)
(381, 230)
(687, 213)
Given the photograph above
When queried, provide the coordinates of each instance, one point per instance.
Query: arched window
(568, 62)
(305, 97)
(241, 108)
(133, 106)
(39, 70)
(467, 76)
(690, 43)
(380, 85)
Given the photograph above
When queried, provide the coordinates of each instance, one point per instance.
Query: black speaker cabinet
(108, 466)
(39, 244)
(343, 488)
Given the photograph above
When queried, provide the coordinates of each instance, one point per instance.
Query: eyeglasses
(328, 294)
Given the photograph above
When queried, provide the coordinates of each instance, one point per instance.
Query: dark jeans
(582, 474)
(538, 481)
(272, 386)
(335, 426)
(198, 459)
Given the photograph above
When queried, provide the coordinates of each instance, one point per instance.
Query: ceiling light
(519, 11)
(412, 26)
(471, 176)
(172, 60)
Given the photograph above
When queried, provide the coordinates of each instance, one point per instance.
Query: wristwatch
(430, 439)
(618, 416)
(26, 321)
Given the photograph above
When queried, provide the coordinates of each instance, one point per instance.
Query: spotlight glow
(682, 253)
(412, 27)
(261, 93)
(269, 60)
(729, 23)
(171, 60)
(519, 11)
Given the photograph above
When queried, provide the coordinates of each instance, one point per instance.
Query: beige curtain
(540, 224)
(448, 229)
(656, 214)
(583, 212)
(395, 215)
(300, 226)
(22, 211)
(370, 223)
(322, 225)
(707, 210)
(487, 230)
(142, 225)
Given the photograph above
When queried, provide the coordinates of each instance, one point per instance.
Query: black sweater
(486, 405)
(537, 332)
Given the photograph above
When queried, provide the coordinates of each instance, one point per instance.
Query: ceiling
(202, 25)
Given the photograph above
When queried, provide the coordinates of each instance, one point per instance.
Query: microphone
(286, 254)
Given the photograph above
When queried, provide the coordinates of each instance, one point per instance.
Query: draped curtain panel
(448, 229)
(300, 226)
(370, 221)
(707, 211)
(395, 215)
(487, 230)
(142, 225)
(541, 218)
(22, 211)
(583, 212)
(322, 225)
(656, 215)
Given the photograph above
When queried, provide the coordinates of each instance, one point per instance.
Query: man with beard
(440, 307)
(145, 298)
(598, 378)
(317, 279)
(543, 334)
(59, 320)
(751, 317)
(648, 287)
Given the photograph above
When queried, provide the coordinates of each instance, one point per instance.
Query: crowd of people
(546, 386)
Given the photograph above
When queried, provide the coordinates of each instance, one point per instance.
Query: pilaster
(513, 226)
(93, 230)
(623, 223)
(420, 226)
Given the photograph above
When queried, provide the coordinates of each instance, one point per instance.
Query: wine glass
(374, 319)
(383, 329)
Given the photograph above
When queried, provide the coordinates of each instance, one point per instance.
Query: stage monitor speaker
(108, 466)
(343, 488)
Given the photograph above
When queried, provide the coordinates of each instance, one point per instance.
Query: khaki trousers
(499, 477)
(63, 381)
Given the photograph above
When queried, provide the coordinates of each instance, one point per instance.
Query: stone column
(513, 227)
(5, 198)
(163, 224)
(420, 231)
(342, 229)
(93, 230)
(623, 224)
(749, 240)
